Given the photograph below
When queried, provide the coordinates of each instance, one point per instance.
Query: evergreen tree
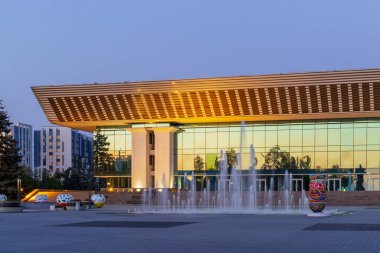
(100, 151)
(232, 160)
(198, 163)
(10, 168)
(76, 177)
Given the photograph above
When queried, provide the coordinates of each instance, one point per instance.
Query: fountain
(237, 192)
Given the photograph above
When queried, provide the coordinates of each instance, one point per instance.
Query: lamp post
(89, 180)
(18, 189)
(89, 186)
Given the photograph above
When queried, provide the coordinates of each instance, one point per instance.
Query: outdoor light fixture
(18, 189)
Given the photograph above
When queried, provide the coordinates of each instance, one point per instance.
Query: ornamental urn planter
(63, 200)
(41, 198)
(98, 200)
(3, 197)
(317, 193)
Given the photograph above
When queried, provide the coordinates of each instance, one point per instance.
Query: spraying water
(236, 192)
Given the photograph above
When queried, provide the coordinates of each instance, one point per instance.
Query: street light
(18, 189)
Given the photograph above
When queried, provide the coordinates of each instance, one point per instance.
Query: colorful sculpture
(317, 193)
(41, 198)
(98, 200)
(3, 197)
(64, 200)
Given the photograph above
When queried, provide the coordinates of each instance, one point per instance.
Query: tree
(359, 179)
(198, 163)
(101, 158)
(274, 159)
(10, 169)
(76, 177)
(305, 162)
(280, 159)
(216, 163)
(232, 159)
(101, 147)
(28, 181)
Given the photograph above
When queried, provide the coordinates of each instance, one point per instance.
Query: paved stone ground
(37, 231)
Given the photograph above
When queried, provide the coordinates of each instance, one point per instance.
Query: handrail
(30, 195)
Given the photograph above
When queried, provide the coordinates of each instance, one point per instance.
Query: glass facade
(119, 159)
(346, 143)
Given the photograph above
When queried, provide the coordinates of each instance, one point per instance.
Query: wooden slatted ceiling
(92, 106)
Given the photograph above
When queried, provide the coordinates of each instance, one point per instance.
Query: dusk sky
(72, 42)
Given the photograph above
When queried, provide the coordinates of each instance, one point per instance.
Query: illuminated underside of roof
(316, 95)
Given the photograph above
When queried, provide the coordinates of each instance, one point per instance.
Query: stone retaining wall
(358, 198)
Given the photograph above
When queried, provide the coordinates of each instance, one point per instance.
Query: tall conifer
(10, 168)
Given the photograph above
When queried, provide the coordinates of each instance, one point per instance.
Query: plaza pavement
(41, 231)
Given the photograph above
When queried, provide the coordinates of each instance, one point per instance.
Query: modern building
(23, 134)
(58, 148)
(156, 129)
(37, 149)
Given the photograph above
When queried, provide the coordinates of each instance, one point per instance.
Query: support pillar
(164, 156)
(140, 158)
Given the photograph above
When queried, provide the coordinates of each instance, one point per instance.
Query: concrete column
(164, 155)
(140, 158)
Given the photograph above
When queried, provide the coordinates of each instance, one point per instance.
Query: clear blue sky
(71, 41)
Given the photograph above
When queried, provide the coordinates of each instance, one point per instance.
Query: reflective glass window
(271, 138)
(223, 140)
(188, 140)
(283, 138)
(373, 136)
(199, 139)
(248, 138)
(321, 137)
(188, 162)
(329, 143)
(360, 158)
(210, 161)
(295, 137)
(347, 159)
(259, 138)
(347, 136)
(179, 162)
(211, 140)
(120, 142)
(373, 159)
(333, 137)
(235, 140)
(360, 136)
(179, 140)
(320, 160)
(308, 137)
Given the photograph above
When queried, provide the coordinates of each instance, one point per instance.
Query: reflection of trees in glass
(106, 163)
(198, 163)
(360, 179)
(300, 163)
(276, 159)
(280, 159)
(232, 159)
(101, 147)
(123, 164)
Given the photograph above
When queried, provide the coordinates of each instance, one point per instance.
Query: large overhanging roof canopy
(316, 95)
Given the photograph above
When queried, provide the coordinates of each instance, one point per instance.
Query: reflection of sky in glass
(329, 143)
